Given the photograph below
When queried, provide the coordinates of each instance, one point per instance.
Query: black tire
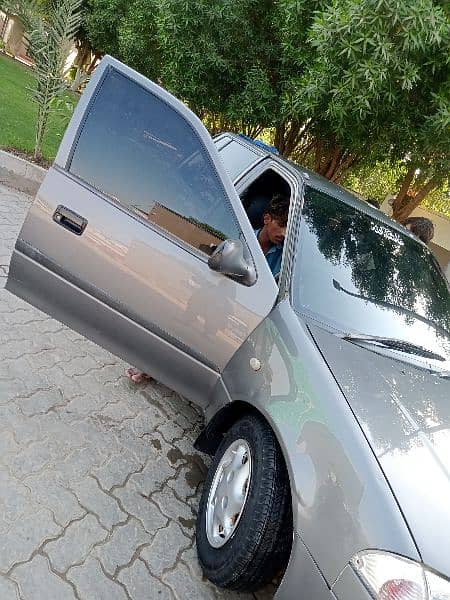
(260, 546)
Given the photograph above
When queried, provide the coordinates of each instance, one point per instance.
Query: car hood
(405, 414)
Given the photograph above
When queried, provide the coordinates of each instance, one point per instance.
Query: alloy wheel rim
(228, 494)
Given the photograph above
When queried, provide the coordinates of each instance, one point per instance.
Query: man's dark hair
(278, 209)
(421, 227)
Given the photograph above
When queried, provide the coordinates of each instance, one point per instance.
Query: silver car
(326, 393)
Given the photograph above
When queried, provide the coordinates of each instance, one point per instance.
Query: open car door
(117, 242)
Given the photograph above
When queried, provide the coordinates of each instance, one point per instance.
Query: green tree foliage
(428, 157)
(102, 22)
(380, 179)
(51, 34)
(125, 29)
(373, 85)
(222, 58)
(339, 83)
(13, 7)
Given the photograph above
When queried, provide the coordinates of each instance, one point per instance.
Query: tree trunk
(288, 136)
(345, 166)
(405, 203)
(92, 66)
(279, 136)
(251, 131)
(401, 197)
(303, 150)
(83, 55)
(41, 125)
(333, 162)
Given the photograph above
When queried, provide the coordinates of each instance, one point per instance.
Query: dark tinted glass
(141, 152)
(236, 158)
(360, 275)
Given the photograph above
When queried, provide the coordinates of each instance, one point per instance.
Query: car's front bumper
(349, 587)
(303, 579)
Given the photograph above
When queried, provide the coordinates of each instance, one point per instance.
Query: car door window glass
(142, 153)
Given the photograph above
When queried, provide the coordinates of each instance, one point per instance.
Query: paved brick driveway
(99, 482)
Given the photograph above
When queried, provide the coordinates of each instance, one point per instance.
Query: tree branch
(398, 202)
(407, 208)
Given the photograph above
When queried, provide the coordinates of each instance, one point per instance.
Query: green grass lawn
(18, 112)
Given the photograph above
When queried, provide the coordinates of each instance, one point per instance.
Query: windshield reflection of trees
(386, 267)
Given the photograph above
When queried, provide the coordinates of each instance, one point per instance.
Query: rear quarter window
(236, 158)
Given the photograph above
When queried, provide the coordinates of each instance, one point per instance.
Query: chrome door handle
(70, 220)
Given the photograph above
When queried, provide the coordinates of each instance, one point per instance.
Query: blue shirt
(273, 256)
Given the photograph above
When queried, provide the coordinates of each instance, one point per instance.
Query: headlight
(439, 589)
(389, 577)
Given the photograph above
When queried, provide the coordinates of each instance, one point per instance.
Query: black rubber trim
(42, 259)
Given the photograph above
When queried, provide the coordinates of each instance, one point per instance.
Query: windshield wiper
(393, 344)
(399, 309)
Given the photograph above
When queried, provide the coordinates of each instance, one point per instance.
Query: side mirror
(228, 258)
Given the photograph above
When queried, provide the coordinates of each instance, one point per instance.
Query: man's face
(276, 232)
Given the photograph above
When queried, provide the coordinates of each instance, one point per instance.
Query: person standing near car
(421, 227)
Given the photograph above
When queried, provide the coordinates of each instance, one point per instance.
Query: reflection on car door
(117, 241)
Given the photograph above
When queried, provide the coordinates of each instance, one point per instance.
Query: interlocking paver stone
(163, 552)
(10, 389)
(145, 510)
(8, 444)
(40, 401)
(33, 458)
(37, 582)
(8, 590)
(91, 582)
(184, 588)
(172, 507)
(79, 463)
(95, 500)
(143, 586)
(117, 469)
(138, 446)
(76, 543)
(118, 412)
(125, 541)
(15, 498)
(79, 366)
(54, 496)
(153, 476)
(25, 536)
(76, 436)
(147, 421)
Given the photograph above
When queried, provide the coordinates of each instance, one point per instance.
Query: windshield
(358, 274)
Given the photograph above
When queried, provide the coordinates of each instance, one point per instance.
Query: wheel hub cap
(228, 493)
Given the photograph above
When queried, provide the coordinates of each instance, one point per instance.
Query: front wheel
(244, 525)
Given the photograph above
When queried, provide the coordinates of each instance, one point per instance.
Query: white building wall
(14, 35)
